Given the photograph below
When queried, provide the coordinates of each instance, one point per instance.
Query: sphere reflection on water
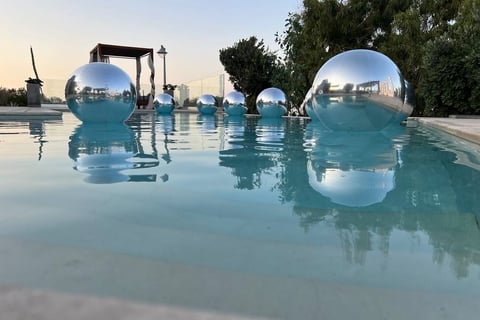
(351, 169)
(270, 133)
(100, 92)
(102, 151)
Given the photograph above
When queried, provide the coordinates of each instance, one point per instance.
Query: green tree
(467, 32)
(444, 91)
(450, 78)
(251, 68)
(412, 29)
(13, 97)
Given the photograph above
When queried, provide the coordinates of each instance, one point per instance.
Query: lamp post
(162, 52)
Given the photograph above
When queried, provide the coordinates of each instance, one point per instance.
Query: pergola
(102, 53)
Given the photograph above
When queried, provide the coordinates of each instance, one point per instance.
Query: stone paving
(466, 128)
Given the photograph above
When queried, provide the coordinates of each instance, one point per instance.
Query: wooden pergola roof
(102, 50)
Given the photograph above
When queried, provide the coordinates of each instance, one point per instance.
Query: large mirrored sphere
(306, 108)
(207, 104)
(234, 104)
(164, 103)
(271, 103)
(100, 92)
(360, 90)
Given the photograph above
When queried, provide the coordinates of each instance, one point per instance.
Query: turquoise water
(257, 217)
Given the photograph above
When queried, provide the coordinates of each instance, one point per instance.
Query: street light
(162, 52)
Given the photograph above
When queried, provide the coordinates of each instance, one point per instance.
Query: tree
(421, 22)
(451, 77)
(251, 68)
(13, 97)
(444, 90)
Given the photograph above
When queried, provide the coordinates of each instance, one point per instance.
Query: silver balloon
(164, 103)
(234, 104)
(306, 108)
(359, 90)
(100, 92)
(271, 103)
(207, 104)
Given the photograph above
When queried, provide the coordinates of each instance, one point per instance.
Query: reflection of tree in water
(445, 199)
(242, 155)
(432, 195)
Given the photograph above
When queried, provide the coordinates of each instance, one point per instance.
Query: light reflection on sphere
(359, 90)
(234, 104)
(100, 92)
(207, 104)
(164, 103)
(271, 103)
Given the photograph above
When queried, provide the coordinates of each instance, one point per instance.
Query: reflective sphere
(272, 102)
(306, 108)
(234, 104)
(207, 104)
(359, 90)
(164, 103)
(100, 92)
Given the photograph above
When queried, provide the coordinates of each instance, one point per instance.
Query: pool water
(250, 216)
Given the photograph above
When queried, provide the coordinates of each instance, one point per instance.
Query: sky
(62, 33)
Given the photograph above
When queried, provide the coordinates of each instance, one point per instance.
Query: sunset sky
(62, 33)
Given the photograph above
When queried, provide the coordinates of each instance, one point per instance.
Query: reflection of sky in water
(229, 216)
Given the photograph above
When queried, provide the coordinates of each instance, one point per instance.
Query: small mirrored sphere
(164, 103)
(360, 90)
(207, 104)
(234, 104)
(100, 92)
(272, 102)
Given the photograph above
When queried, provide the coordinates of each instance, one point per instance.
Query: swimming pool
(260, 217)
